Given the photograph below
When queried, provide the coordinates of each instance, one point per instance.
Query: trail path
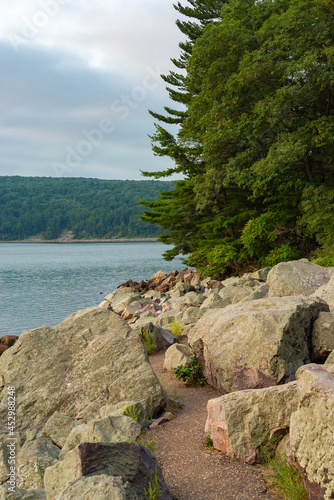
(191, 471)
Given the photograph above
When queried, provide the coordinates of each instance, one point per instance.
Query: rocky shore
(265, 341)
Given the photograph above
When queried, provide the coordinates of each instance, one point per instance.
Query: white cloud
(70, 66)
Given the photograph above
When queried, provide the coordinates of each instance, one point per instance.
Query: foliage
(208, 441)
(151, 444)
(176, 328)
(286, 478)
(282, 475)
(190, 373)
(148, 340)
(131, 412)
(90, 208)
(154, 491)
(256, 139)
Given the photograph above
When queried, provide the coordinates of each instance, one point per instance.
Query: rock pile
(257, 337)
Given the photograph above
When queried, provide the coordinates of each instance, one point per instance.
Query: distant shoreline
(115, 240)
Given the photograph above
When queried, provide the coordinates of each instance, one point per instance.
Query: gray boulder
(130, 461)
(260, 292)
(132, 409)
(176, 355)
(58, 427)
(21, 494)
(120, 298)
(312, 429)
(323, 337)
(98, 488)
(255, 344)
(105, 430)
(90, 360)
(299, 277)
(242, 423)
(326, 292)
(33, 459)
(261, 274)
(330, 359)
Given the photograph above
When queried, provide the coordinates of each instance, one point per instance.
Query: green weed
(154, 491)
(148, 340)
(191, 373)
(281, 475)
(176, 328)
(150, 444)
(134, 414)
(208, 441)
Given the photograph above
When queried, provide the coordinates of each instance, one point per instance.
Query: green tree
(259, 129)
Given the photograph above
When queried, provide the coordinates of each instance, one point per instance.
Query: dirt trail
(191, 471)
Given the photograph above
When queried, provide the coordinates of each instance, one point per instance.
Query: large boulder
(299, 277)
(326, 292)
(312, 430)
(90, 360)
(176, 355)
(255, 344)
(33, 459)
(119, 299)
(132, 463)
(104, 430)
(242, 423)
(323, 337)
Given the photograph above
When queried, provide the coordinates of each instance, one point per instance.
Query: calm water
(41, 284)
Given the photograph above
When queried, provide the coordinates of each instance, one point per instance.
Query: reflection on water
(41, 284)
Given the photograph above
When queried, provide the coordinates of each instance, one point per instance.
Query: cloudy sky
(77, 80)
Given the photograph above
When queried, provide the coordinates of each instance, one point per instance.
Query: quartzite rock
(299, 277)
(312, 430)
(104, 430)
(176, 355)
(326, 292)
(323, 337)
(255, 344)
(58, 427)
(130, 461)
(241, 422)
(90, 360)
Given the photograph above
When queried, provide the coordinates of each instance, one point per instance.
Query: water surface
(43, 283)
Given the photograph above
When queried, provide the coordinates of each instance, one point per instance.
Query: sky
(77, 80)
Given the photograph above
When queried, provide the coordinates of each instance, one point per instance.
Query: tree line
(254, 99)
(90, 208)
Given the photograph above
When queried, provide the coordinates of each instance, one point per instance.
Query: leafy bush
(208, 441)
(190, 373)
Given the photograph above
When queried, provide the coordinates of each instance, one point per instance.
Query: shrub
(190, 373)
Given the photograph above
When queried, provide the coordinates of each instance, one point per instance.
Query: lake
(43, 283)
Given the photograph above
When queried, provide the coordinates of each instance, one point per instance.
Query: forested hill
(90, 208)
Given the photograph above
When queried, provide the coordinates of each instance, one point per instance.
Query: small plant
(154, 491)
(191, 373)
(150, 444)
(150, 408)
(282, 475)
(131, 412)
(148, 340)
(208, 441)
(286, 478)
(176, 328)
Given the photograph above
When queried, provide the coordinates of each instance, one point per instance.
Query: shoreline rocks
(78, 384)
